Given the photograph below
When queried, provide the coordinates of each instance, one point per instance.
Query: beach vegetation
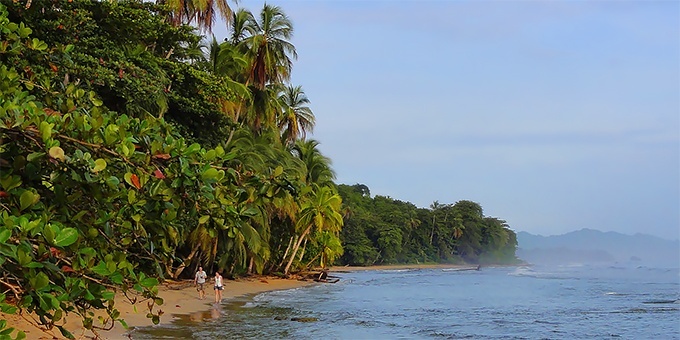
(134, 149)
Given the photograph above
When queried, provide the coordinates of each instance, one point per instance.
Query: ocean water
(560, 302)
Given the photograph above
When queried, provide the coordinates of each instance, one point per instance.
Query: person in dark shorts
(199, 282)
(218, 287)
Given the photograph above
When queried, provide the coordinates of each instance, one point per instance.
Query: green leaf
(99, 165)
(33, 156)
(116, 278)
(100, 269)
(193, 148)
(40, 281)
(278, 171)
(203, 219)
(122, 322)
(57, 153)
(65, 332)
(49, 233)
(11, 182)
(46, 130)
(210, 155)
(66, 237)
(93, 98)
(209, 174)
(23, 257)
(36, 44)
(113, 181)
(148, 282)
(34, 265)
(24, 31)
(108, 295)
(4, 235)
(27, 199)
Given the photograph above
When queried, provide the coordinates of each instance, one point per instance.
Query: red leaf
(55, 252)
(67, 269)
(158, 174)
(3, 194)
(51, 112)
(135, 181)
(120, 73)
(162, 156)
(53, 67)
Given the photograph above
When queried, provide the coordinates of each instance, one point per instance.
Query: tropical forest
(136, 146)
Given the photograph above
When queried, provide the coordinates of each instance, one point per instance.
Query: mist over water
(539, 302)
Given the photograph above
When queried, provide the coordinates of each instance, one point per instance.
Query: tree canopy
(133, 149)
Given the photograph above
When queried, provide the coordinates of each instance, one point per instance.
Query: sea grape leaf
(57, 153)
(4, 235)
(40, 281)
(148, 282)
(65, 332)
(99, 165)
(209, 174)
(66, 237)
(45, 130)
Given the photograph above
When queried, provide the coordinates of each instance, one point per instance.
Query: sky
(552, 115)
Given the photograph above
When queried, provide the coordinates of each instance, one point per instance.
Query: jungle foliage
(131, 152)
(382, 230)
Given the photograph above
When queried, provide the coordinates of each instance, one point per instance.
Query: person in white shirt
(218, 287)
(199, 282)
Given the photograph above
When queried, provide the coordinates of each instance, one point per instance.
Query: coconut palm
(203, 13)
(330, 248)
(319, 171)
(296, 118)
(242, 25)
(269, 48)
(320, 209)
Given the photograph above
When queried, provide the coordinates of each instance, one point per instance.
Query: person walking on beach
(199, 282)
(218, 287)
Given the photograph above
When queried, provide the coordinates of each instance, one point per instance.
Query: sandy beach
(181, 301)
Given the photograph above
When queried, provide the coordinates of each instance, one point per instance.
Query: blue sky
(553, 115)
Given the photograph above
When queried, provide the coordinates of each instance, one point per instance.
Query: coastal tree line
(135, 147)
(382, 230)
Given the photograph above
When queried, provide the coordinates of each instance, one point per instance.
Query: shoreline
(180, 301)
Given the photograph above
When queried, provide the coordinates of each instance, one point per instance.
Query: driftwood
(320, 276)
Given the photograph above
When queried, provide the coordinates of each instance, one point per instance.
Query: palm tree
(269, 48)
(296, 118)
(321, 209)
(242, 25)
(201, 12)
(319, 171)
(330, 248)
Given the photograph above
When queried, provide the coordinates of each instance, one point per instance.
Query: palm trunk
(302, 253)
(295, 249)
(432, 232)
(250, 266)
(283, 259)
(188, 260)
(314, 259)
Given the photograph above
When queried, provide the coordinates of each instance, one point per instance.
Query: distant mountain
(594, 246)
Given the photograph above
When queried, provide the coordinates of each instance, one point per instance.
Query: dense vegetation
(382, 230)
(130, 153)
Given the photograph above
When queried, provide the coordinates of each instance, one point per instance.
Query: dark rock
(304, 319)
